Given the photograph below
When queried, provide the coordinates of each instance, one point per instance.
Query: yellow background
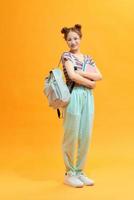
(31, 162)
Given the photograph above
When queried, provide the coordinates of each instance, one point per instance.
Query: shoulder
(90, 59)
(66, 53)
(88, 56)
(66, 56)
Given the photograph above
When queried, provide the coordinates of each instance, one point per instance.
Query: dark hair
(76, 28)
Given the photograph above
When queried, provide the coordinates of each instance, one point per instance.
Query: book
(90, 68)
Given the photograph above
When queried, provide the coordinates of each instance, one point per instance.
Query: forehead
(72, 34)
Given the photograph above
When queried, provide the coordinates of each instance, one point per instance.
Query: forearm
(90, 75)
(83, 81)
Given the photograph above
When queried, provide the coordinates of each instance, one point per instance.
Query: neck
(77, 51)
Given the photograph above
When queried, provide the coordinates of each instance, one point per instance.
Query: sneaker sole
(92, 184)
(77, 186)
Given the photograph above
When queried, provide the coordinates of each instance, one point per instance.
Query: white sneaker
(87, 181)
(72, 180)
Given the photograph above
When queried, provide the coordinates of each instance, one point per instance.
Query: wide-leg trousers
(77, 124)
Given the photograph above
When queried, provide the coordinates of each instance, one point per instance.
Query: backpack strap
(59, 61)
(58, 110)
(59, 113)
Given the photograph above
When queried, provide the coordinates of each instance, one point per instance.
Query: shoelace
(73, 173)
(70, 173)
(81, 173)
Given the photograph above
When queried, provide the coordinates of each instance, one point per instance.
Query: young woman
(79, 113)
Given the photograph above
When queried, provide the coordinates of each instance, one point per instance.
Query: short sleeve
(91, 61)
(91, 65)
(66, 56)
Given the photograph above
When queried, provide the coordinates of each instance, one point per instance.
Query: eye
(75, 38)
(69, 39)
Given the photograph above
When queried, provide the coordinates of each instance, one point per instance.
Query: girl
(79, 113)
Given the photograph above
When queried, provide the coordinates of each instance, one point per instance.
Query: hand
(93, 85)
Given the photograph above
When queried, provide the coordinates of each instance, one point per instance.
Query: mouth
(73, 45)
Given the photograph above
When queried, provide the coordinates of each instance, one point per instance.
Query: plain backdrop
(31, 162)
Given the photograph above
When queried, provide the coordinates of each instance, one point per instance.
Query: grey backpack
(56, 90)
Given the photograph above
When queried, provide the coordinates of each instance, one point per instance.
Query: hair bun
(78, 26)
(64, 30)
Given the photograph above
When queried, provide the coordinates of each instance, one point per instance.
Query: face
(73, 40)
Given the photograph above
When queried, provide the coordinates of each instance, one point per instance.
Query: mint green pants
(77, 123)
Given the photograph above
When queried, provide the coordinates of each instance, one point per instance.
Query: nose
(73, 43)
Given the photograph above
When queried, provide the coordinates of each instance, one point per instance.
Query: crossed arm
(83, 78)
(95, 76)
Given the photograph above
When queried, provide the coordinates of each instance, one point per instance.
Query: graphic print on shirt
(88, 62)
